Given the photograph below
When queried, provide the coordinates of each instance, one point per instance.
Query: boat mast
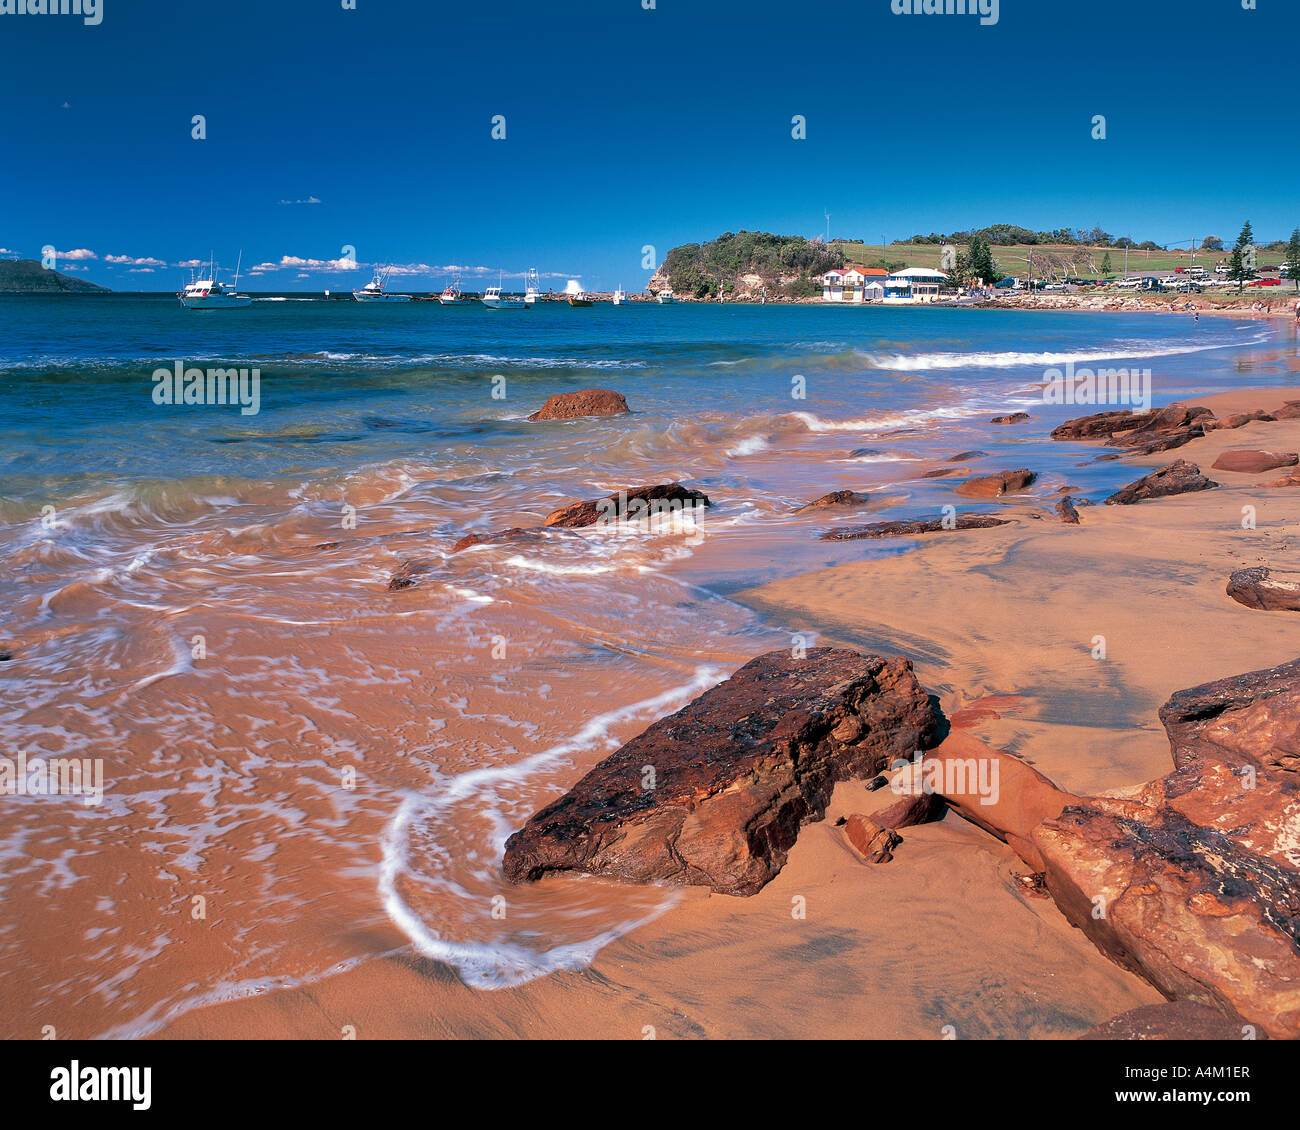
(238, 263)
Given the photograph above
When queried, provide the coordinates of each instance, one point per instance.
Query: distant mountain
(27, 276)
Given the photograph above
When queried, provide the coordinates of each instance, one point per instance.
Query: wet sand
(1005, 620)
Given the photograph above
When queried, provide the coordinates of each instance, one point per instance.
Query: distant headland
(27, 276)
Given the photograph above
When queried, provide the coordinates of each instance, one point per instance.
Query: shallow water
(304, 770)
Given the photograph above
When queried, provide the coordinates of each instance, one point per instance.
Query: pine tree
(1293, 258)
(1106, 268)
(1239, 272)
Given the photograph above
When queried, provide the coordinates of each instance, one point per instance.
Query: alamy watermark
(1128, 387)
(53, 776)
(948, 776)
(91, 11)
(987, 10)
(182, 385)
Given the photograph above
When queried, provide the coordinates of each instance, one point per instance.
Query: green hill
(27, 276)
(744, 263)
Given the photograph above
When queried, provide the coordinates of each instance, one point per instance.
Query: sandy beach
(1005, 619)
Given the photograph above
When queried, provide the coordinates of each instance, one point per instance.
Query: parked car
(1265, 282)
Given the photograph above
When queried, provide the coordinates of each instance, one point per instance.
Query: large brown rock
(628, 505)
(1180, 477)
(584, 402)
(1068, 511)
(1244, 720)
(1266, 589)
(1248, 462)
(908, 529)
(1193, 882)
(994, 486)
(715, 794)
(1099, 424)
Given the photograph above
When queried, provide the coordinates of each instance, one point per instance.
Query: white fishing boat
(376, 289)
(209, 294)
(620, 297)
(452, 294)
(666, 298)
(494, 300)
(532, 286)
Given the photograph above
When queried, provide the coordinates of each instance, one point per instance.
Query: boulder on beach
(1243, 720)
(1239, 420)
(1068, 511)
(995, 486)
(834, 499)
(715, 794)
(584, 402)
(1250, 462)
(1179, 477)
(1266, 589)
(1291, 480)
(1289, 411)
(1014, 418)
(908, 528)
(874, 843)
(628, 505)
(1145, 433)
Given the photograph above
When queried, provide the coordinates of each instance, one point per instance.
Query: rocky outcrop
(995, 486)
(1244, 720)
(1193, 882)
(1180, 477)
(1291, 480)
(1248, 462)
(517, 533)
(628, 505)
(834, 499)
(1265, 589)
(963, 456)
(584, 402)
(909, 529)
(1289, 411)
(1143, 433)
(1068, 511)
(715, 794)
(1014, 418)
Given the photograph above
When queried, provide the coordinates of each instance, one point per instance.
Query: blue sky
(624, 127)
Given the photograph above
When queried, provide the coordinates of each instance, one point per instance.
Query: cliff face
(27, 276)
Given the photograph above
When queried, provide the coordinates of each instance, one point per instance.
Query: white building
(916, 284)
(854, 285)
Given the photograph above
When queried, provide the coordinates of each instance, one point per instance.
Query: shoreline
(952, 893)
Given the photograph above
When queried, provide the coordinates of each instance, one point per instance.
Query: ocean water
(304, 771)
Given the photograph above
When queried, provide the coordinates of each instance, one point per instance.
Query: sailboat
(209, 294)
(374, 290)
(532, 286)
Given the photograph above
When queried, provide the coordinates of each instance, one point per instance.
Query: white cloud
(79, 253)
(309, 200)
(132, 261)
(290, 262)
(140, 271)
(189, 263)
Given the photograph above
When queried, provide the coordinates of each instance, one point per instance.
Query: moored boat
(375, 290)
(210, 294)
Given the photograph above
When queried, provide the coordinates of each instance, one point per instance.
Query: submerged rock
(836, 498)
(628, 505)
(1014, 418)
(995, 486)
(1180, 477)
(715, 794)
(1251, 719)
(908, 529)
(584, 402)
